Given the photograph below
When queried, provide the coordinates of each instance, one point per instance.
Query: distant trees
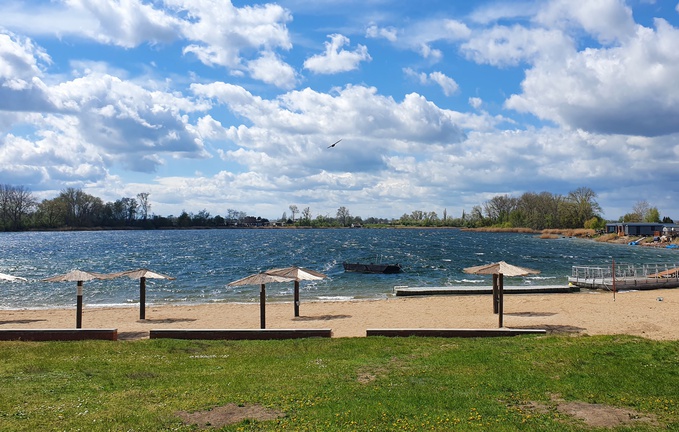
(16, 204)
(642, 212)
(74, 208)
(537, 210)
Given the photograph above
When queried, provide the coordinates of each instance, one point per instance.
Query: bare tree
(294, 210)
(640, 210)
(343, 215)
(144, 204)
(306, 215)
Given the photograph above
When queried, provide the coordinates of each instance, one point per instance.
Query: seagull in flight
(335, 143)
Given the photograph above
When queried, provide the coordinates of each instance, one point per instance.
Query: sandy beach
(651, 314)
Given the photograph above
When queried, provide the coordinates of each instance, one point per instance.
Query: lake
(205, 261)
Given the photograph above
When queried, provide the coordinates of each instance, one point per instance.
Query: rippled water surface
(205, 261)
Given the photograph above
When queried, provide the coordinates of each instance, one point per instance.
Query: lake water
(205, 261)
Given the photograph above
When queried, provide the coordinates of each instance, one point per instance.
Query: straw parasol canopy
(501, 267)
(142, 274)
(261, 279)
(78, 276)
(10, 278)
(298, 274)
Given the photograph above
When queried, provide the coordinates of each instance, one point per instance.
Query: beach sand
(651, 314)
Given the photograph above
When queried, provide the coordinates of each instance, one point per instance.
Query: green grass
(363, 384)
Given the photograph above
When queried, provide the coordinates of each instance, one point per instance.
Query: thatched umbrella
(501, 267)
(499, 270)
(10, 278)
(297, 274)
(261, 279)
(78, 276)
(141, 274)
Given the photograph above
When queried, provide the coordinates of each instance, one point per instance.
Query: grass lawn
(547, 383)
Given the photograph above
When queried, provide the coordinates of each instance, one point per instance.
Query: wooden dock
(626, 283)
(476, 290)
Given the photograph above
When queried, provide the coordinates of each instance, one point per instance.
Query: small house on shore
(640, 228)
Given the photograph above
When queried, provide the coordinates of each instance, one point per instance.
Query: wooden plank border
(239, 334)
(43, 335)
(460, 333)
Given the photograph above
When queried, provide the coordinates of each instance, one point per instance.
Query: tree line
(76, 209)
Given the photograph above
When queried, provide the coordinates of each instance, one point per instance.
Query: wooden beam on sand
(239, 334)
(449, 333)
(42, 335)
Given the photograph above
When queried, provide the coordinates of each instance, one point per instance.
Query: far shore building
(645, 229)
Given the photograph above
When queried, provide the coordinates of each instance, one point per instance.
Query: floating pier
(475, 290)
(626, 276)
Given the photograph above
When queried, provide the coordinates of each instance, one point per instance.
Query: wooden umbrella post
(142, 298)
(501, 300)
(613, 274)
(296, 298)
(79, 306)
(495, 298)
(262, 306)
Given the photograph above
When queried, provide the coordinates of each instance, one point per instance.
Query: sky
(439, 105)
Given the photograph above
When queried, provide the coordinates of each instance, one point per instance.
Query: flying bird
(335, 143)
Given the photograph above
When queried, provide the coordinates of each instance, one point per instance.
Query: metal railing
(622, 271)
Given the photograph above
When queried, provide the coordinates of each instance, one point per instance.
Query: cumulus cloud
(624, 89)
(509, 46)
(216, 32)
(223, 32)
(475, 102)
(127, 23)
(335, 59)
(358, 109)
(608, 20)
(270, 69)
(21, 66)
(420, 36)
(447, 84)
(82, 127)
(128, 123)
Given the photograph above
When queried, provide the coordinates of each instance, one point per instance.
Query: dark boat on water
(372, 268)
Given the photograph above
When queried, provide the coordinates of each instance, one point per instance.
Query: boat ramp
(475, 290)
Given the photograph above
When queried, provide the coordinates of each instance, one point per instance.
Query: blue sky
(222, 105)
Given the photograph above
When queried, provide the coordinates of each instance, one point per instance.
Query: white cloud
(419, 36)
(475, 102)
(21, 69)
(627, 89)
(223, 32)
(270, 69)
(608, 20)
(335, 59)
(447, 84)
(215, 31)
(509, 46)
(127, 23)
(388, 33)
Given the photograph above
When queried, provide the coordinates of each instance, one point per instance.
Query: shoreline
(649, 314)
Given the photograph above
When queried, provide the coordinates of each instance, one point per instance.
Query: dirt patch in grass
(598, 415)
(228, 414)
